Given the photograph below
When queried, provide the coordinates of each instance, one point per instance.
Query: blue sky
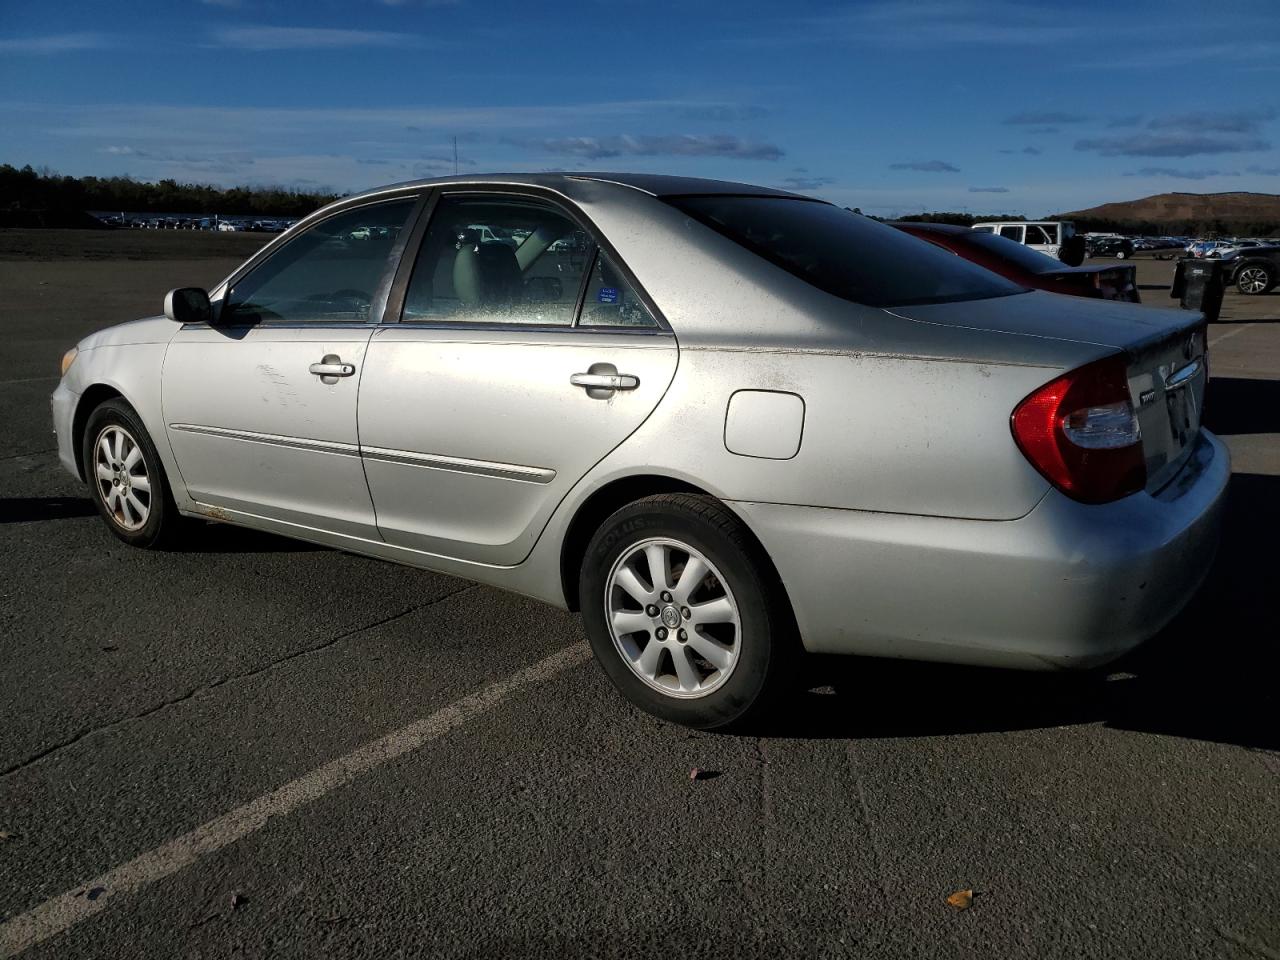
(892, 107)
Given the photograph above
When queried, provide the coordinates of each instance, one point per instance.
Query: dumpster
(1199, 285)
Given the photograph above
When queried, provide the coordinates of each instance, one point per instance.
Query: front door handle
(331, 368)
(602, 379)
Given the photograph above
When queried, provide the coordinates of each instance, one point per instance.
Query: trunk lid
(1165, 348)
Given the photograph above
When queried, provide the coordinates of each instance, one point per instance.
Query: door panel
(253, 429)
(471, 438)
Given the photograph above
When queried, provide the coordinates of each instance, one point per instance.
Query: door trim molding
(270, 439)
(480, 468)
(430, 461)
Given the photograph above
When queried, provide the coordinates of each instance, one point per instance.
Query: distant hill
(1190, 213)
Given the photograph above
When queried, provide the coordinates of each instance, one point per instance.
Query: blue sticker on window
(608, 295)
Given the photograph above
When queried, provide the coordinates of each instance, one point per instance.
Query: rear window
(1014, 252)
(843, 253)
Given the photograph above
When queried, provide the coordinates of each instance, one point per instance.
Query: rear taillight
(1082, 433)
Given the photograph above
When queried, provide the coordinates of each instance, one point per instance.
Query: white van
(1046, 236)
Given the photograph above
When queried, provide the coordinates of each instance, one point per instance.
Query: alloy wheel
(1252, 280)
(673, 618)
(121, 473)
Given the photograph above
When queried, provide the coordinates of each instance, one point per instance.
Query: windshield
(843, 253)
(1017, 253)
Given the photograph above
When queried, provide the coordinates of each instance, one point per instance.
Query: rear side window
(1012, 233)
(843, 253)
(610, 301)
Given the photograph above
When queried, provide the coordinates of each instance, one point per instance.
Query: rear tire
(708, 650)
(125, 478)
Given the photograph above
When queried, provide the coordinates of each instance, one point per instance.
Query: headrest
(486, 274)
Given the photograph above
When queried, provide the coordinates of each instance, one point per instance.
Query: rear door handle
(331, 367)
(602, 379)
(605, 381)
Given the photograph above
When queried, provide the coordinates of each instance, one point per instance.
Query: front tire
(684, 613)
(125, 477)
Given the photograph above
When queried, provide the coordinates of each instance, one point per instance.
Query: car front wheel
(125, 478)
(1254, 279)
(684, 613)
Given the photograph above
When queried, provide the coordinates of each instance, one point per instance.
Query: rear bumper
(1068, 585)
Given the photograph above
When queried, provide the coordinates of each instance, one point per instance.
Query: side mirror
(187, 305)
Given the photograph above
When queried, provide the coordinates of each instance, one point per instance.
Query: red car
(1028, 267)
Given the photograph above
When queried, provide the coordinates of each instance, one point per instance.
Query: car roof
(656, 185)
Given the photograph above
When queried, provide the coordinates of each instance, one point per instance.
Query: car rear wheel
(684, 614)
(125, 479)
(1254, 279)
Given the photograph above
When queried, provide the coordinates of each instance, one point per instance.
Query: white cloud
(56, 43)
(258, 38)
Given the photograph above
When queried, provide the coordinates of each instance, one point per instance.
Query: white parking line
(84, 900)
(1230, 333)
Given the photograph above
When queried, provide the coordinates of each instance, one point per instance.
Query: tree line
(26, 193)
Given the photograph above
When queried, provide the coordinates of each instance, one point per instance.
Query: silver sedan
(726, 423)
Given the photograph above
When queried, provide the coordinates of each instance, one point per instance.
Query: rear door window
(1037, 234)
(498, 260)
(843, 253)
(1012, 232)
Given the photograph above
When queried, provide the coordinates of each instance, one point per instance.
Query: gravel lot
(226, 696)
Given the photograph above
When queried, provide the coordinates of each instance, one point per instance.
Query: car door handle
(605, 381)
(332, 366)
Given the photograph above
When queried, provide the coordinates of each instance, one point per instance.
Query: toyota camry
(727, 423)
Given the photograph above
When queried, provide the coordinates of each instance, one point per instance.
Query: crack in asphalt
(869, 822)
(29, 453)
(222, 681)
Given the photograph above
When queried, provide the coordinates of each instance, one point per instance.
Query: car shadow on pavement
(1239, 405)
(1210, 675)
(34, 509)
(203, 536)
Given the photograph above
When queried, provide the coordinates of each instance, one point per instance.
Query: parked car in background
(1255, 270)
(1121, 248)
(751, 424)
(1044, 236)
(1204, 248)
(1230, 248)
(1024, 266)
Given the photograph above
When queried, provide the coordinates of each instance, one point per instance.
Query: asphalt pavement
(252, 747)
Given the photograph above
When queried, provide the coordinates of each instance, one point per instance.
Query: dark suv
(1255, 270)
(1119, 247)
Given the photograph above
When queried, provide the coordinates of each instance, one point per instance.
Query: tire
(116, 451)
(1255, 278)
(1121, 254)
(660, 665)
